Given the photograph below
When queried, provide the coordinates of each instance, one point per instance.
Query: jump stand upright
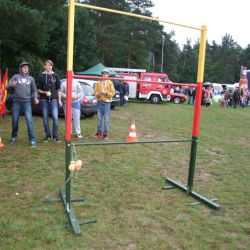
(188, 189)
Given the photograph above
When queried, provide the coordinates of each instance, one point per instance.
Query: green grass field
(123, 184)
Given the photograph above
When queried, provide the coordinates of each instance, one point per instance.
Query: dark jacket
(122, 88)
(49, 82)
(236, 94)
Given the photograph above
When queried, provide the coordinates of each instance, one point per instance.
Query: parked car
(115, 98)
(177, 98)
(88, 102)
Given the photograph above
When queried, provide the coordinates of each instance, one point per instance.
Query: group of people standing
(234, 98)
(52, 96)
(230, 97)
(206, 96)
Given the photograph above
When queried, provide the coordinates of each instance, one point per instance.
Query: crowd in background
(230, 97)
(234, 98)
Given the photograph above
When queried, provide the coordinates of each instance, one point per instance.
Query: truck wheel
(155, 99)
(177, 100)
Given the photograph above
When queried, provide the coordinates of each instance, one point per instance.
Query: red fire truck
(153, 87)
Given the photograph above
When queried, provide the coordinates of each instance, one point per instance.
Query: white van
(230, 86)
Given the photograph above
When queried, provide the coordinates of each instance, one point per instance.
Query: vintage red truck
(153, 87)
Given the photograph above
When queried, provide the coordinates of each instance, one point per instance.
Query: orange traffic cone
(1, 144)
(132, 133)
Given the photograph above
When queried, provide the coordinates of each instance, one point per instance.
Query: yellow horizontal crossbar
(133, 15)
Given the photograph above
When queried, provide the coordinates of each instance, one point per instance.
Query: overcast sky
(220, 17)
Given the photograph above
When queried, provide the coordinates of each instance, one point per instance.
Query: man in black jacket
(48, 85)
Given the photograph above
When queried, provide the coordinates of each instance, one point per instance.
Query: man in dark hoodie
(48, 85)
(24, 88)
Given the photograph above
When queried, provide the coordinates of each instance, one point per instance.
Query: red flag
(0, 82)
(5, 81)
(3, 91)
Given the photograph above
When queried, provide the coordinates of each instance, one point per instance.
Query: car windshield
(87, 90)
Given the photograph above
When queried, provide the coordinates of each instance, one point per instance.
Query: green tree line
(37, 30)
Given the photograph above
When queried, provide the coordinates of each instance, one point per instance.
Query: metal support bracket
(202, 199)
(199, 203)
(71, 215)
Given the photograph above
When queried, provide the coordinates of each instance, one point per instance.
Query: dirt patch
(215, 150)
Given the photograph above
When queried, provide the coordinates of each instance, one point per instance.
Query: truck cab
(155, 92)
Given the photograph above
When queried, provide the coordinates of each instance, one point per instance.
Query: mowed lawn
(123, 184)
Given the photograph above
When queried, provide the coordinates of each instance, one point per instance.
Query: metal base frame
(202, 199)
(71, 215)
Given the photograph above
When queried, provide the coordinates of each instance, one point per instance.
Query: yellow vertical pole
(71, 23)
(202, 53)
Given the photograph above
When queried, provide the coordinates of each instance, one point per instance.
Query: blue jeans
(190, 99)
(47, 108)
(103, 111)
(236, 102)
(26, 107)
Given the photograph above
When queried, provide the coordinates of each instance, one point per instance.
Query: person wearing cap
(104, 91)
(24, 87)
(48, 85)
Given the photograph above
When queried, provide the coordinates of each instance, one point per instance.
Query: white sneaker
(79, 136)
